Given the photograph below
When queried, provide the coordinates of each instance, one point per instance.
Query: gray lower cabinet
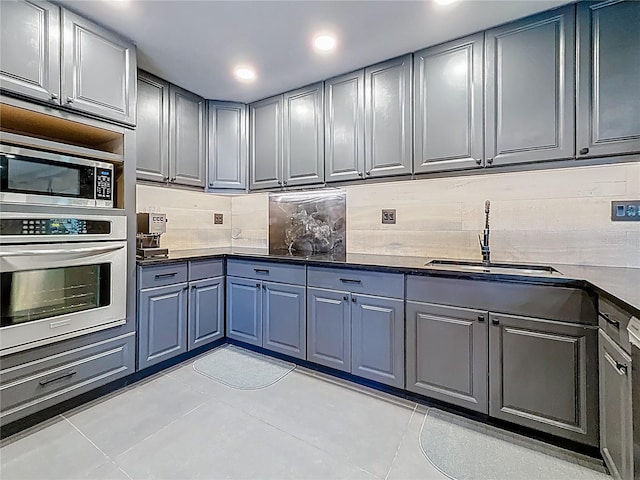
(448, 90)
(187, 133)
(447, 351)
(152, 130)
(265, 147)
(329, 328)
(30, 56)
(98, 70)
(284, 313)
(530, 89)
(162, 323)
(389, 117)
(377, 339)
(608, 78)
(228, 146)
(244, 310)
(543, 376)
(360, 334)
(206, 311)
(616, 419)
(303, 136)
(344, 127)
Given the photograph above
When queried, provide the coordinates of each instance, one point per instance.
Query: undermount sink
(494, 267)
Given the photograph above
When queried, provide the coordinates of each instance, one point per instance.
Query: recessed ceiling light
(444, 2)
(244, 73)
(324, 42)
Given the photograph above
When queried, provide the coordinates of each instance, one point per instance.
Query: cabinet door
(377, 339)
(244, 310)
(544, 375)
(227, 159)
(162, 324)
(329, 328)
(98, 70)
(187, 133)
(616, 422)
(448, 103)
(30, 49)
(447, 354)
(608, 109)
(530, 89)
(284, 312)
(206, 311)
(265, 148)
(303, 136)
(152, 130)
(344, 127)
(388, 118)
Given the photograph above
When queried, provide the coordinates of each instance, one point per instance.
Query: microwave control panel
(103, 183)
(53, 226)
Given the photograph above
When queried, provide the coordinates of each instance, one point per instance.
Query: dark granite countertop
(618, 284)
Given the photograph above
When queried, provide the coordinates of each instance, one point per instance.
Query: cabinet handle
(478, 161)
(614, 323)
(360, 174)
(55, 379)
(368, 173)
(261, 270)
(69, 99)
(173, 179)
(349, 280)
(166, 275)
(622, 368)
(584, 151)
(354, 299)
(481, 318)
(490, 161)
(193, 287)
(279, 182)
(257, 285)
(211, 185)
(165, 179)
(264, 287)
(54, 96)
(345, 298)
(495, 321)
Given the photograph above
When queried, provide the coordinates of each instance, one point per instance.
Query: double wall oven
(63, 249)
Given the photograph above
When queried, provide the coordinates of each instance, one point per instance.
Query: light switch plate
(217, 219)
(625, 211)
(388, 215)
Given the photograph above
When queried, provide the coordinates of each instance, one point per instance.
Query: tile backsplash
(555, 216)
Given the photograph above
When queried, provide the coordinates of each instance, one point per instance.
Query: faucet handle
(487, 204)
(480, 240)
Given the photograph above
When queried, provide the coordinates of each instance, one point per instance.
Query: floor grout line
(404, 435)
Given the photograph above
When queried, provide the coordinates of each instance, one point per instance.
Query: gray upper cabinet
(530, 89)
(329, 328)
(265, 148)
(388, 118)
(563, 401)
(447, 350)
(377, 339)
(616, 418)
(244, 310)
(608, 108)
(284, 318)
(152, 131)
(228, 146)
(187, 132)
(30, 49)
(448, 106)
(303, 136)
(98, 70)
(344, 127)
(206, 311)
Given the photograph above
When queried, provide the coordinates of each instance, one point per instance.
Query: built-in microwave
(34, 177)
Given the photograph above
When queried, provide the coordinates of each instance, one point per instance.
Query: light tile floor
(180, 424)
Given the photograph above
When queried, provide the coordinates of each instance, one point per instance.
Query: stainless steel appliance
(34, 177)
(633, 328)
(61, 275)
(150, 227)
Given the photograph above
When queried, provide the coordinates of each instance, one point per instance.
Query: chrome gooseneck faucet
(484, 244)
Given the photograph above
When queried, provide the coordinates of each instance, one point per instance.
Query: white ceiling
(196, 44)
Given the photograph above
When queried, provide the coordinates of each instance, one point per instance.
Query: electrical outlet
(217, 219)
(389, 215)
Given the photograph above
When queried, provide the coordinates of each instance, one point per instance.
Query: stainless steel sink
(494, 267)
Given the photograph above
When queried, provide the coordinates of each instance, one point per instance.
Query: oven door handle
(23, 253)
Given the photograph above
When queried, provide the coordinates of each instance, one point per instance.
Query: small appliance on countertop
(150, 226)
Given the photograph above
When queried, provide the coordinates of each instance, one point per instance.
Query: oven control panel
(103, 184)
(53, 226)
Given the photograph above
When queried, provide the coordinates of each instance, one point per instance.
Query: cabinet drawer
(274, 272)
(613, 321)
(160, 275)
(44, 382)
(357, 281)
(210, 268)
